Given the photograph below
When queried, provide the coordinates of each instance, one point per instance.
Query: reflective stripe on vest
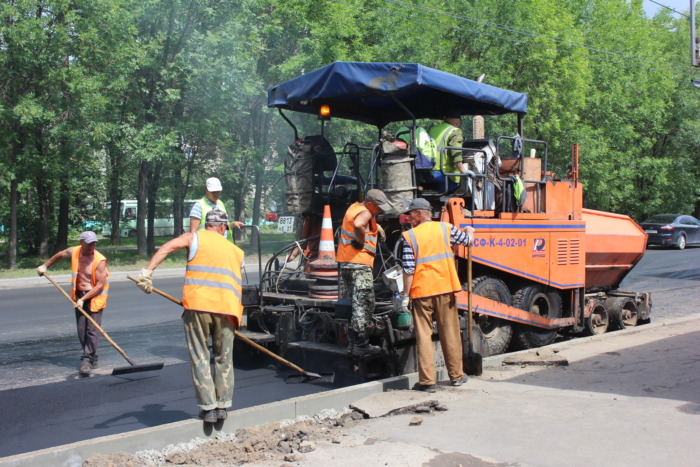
(435, 272)
(346, 252)
(214, 289)
(98, 302)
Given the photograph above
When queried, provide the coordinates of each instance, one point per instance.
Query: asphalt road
(45, 403)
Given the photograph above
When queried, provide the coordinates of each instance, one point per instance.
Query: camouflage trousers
(359, 288)
(215, 391)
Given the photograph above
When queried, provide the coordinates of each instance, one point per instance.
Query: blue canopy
(375, 92)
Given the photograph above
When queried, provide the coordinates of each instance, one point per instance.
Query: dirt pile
(284, 441)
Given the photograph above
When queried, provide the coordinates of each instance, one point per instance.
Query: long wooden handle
(238, 334)
(469, 291)
(99, 328)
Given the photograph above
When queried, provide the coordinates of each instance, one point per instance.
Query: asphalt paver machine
(543, 265)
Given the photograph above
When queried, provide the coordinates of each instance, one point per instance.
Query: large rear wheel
(497, 332)
(537, 300)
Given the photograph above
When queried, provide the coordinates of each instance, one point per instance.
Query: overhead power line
(669, 8)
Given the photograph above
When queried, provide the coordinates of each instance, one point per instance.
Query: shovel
(473, 365)
(302, 377)
(134, 368)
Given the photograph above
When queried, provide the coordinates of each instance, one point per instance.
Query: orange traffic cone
(325, 268)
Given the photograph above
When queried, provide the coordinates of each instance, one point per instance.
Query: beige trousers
(444, 309)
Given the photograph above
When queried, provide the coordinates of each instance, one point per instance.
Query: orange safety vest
(100, 301)
(213, 277)
(435, 272)
(346, 252)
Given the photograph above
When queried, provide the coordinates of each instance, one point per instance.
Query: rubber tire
(615, 307)
(601, 327)
(528, 337)
(680, 244)
(498, 332)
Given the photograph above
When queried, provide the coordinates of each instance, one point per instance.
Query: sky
(679, 5)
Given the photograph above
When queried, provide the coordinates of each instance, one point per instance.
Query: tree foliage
(104, 100)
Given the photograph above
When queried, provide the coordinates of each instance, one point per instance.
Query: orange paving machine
(542, 264)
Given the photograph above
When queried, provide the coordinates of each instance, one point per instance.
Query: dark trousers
(87, 332)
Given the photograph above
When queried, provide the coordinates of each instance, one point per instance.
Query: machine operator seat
(483, 161)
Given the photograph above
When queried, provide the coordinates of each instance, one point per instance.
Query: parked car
(677, 230)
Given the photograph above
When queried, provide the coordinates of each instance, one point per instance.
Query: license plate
(285, 224)
(650, 231)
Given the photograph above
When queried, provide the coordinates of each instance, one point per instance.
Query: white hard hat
(213, 184)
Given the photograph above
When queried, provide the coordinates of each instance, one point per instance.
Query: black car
(677, 230)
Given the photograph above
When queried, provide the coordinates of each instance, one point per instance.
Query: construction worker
(356, 249)
(431, 279)
(206, 203)
(211, 297)
(448, 134)
(89, 287)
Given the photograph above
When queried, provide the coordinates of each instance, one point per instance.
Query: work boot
(221, 414)
(209, 416)
(459, 381)
(431, 388)
(85, 368)
(362, 347)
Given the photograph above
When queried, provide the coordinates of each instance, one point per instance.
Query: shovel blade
(137, 368)
(310, 378)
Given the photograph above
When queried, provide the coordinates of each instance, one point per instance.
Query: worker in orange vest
(211, 297)
(431, 279)
(89, 289)
(357, 245)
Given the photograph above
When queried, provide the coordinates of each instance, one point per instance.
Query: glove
(404, 302)
(356, 245)
(41, 270)
(144, 281)
(469, 230)
(79, 304)
(381, 234)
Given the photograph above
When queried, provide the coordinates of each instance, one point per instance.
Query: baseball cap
(216, 216)
(419, 203)
(453, 113)
(213, 184)
(378, 198)
(88, 236)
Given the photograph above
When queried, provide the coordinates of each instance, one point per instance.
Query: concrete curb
(116, 276)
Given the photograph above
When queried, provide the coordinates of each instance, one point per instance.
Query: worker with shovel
(89, 289)
(212, 302)
(430, 276)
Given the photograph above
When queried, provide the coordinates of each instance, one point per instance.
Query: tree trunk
(141, 208)
(154, 182)
(12, 242)
(63, 210)
(115, 193)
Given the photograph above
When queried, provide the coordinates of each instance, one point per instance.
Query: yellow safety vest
(98, 302)
(435, 272)
(213, 278)
(346, 252)
(441, 134)
(205, 206)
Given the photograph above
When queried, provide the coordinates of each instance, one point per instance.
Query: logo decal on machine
(538, 250)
